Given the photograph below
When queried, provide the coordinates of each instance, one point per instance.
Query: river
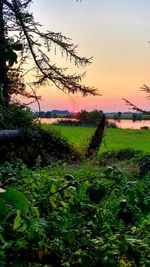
(124, 124)
(129, 124)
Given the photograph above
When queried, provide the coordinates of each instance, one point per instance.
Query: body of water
(129, 124)
(124, 124)
(55, 120)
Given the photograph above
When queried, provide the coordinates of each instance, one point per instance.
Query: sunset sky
(117, 34)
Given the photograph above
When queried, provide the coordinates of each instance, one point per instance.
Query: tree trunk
(96, 139)
(4, 82)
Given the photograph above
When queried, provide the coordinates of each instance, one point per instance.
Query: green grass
(125, 138)
(113, 139)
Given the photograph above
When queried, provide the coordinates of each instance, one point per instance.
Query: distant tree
(82, 116)
(48, 114)
(89, 118)
(119, 114)
(21, 38)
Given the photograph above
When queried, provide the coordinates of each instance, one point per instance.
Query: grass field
(113, 138)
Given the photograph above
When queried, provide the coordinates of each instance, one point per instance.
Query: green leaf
(108, 170)
(17, 220)
(96, 192)
(35, 212)
(16, 199)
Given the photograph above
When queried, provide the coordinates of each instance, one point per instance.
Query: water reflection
(125, 124)
(129, 124)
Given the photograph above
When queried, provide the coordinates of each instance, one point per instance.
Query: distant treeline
(86, 119)
(53, 114)
(92, 116)
(128, 116)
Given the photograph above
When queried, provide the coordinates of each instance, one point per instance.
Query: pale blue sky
(116, 33)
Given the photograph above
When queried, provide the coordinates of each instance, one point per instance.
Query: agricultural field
(114, 139)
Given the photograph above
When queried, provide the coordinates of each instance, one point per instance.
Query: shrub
(36, 145)
(15, 117)
(110, 124)
(144, 128)
(122, 154)
(143, 162)
(63, 219)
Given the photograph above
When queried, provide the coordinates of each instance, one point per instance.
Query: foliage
(111, 124)
(117, 116)
(83, 118)
(67, 122)
(45, 147)
(132, 106)
(15, 199)
(143, 162)
(65, 226)
(89, 118)
(14, 117)
(145, 128)
(21, 39)
(118, 155)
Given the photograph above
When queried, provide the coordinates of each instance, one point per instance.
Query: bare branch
(134, 107)
(146, 89)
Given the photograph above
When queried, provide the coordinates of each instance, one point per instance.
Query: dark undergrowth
(75, 215)
(38, 146)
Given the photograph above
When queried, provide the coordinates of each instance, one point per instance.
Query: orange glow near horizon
(116, 34)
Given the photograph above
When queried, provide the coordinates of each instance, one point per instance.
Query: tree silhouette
(21, 38)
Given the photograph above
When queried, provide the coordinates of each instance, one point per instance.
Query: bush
(53, 218)
(144, 128)
(122, 154)
(15, 116)
(38, 146)
(110, 124)
(143, 162)
(67, 122)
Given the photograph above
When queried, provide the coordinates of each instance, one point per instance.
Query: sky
(116, 33)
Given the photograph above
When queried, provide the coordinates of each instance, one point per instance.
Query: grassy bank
(113, 139)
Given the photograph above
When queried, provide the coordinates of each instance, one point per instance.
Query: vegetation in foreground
(76, 215)
(61, 215)
(37, 146)
(92, 213)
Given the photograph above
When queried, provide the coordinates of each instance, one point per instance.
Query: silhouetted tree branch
(18, 27)
(132, 106)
